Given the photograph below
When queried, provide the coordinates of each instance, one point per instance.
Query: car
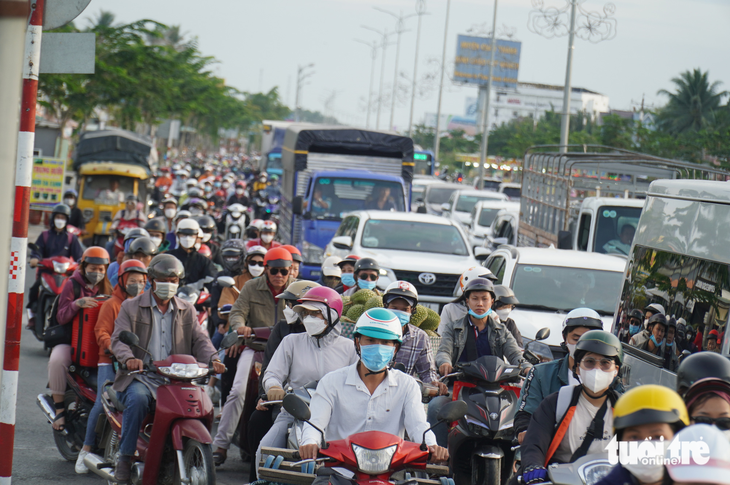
(550, 282)
(462, 202)
(483, 214)
(512, 190)
(504, 228)
(490, 183)
(437, 194)
(431, 252)
(418, 189)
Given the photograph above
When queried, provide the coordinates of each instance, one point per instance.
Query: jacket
(105, 323)
(53, 243)
(196, 265)
(66, 308)
(135, 315)
(256, 306)
(77, 218)
(453, 341)
(543, 380)
(229, 295)
(280, 330)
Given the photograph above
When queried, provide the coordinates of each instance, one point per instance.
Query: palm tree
(693, 106)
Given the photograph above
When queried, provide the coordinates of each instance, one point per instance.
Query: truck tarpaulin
(113, 145)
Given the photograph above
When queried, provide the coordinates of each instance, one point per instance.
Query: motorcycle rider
(366, 276)
(268, 230)
(671, 352)
(650, 310)
(504, 302)
(305, 357)
(651, 338)
(207, 225)
(716, 471)
(157, 229)
(545, 379)
(239, 195)
(132, 281)
(296, 257)
(196, 265)
(129, 217)
(76, 219)
(256, 306)
(708, 402)
(165, 325)
(415, 354)
(457, 310)
(331, 273)
(701, 366)
(578, 419)
(56, 241)
(367, 395)
(169, 209)
(347, 266)
(476, 335)
(129, 238)
(172, 236)
(634, 326)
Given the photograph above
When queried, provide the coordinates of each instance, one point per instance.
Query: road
(36, 460)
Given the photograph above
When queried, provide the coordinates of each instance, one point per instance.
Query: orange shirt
(105, 323)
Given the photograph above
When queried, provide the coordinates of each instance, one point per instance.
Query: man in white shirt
(367, 395)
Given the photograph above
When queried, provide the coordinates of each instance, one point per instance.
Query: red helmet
(326, 295)
(205, 251)
(95, 255)
(349, 259)
(132, 266)
(241, 184)
(296, 255)
(278, 258)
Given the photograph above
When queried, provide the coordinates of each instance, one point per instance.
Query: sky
(260, 45)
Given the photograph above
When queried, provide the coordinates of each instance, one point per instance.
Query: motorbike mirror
(452, 411)
(295, 406)
(129, 338)
(226, 281)
(542, 334)
(33, 247)
(399, 366)
(229, 340)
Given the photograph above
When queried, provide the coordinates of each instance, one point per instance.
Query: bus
(424, 161)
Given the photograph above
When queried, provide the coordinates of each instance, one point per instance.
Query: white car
(462, 202)
(484, 214)
(418, 189)
(551, 282)
(428, 251)
(505, 227)
(512, 190)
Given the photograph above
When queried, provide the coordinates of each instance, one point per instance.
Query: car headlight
(374, 462)
(60, 267)
(311, 253)
(183, 371)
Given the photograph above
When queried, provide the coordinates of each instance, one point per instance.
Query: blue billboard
(472, 61)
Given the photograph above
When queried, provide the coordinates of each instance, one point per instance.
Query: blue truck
(330, 171)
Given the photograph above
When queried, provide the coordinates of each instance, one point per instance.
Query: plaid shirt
(415, 354)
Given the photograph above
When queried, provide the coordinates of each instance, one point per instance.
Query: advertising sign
(472, 61)
(46, 190)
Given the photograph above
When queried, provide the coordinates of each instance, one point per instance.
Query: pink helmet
(325, 295)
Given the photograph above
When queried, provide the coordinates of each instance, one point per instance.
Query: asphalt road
(36, 460)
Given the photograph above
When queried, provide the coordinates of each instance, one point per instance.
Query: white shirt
(585, 411)
(343, 406)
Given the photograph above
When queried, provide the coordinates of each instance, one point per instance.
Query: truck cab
(606, 225)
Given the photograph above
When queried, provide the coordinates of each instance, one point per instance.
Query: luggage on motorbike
(56, 333)
(84, 348)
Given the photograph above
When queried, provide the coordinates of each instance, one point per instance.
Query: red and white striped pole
(19, 240)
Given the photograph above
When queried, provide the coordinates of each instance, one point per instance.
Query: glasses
(256, 263)
(722, 423)
(634, 322)
(310, 313)
(368, 277)
(276, 271)
(590, 364)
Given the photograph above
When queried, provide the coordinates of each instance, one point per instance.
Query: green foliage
(693, 105)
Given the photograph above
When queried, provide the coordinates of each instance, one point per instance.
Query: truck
(272, 139)
(330, 171)
(590, 199)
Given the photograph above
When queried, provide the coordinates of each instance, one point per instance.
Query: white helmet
(582, 317)
(401, 289)
(269, 226)
(330, 268)
(655, 308)
(254, 250)
(188, 226)
(191, 182)
(470, 274)
(379, 323)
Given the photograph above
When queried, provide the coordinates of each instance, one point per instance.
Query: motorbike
(267, 205)
(482, 445)
(371, 456)
(236, 221)
(53, 273)
(587, 470)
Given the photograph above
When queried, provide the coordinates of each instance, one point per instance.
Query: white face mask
(267, 238)
(59, 223)
(239, 191)
(207, 236)
(187, 241)
(650, 473)
(727, 434)
(69, 202)
(197, 245)
(596, 380)
(290, 315)
(503, 313)
(313, 325)
(170, 213)
(571, 349)
(165, 291)
(255, 270)
(156, 240)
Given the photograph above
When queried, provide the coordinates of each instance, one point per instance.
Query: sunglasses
(590, 364)
(721, 423)
(276, 271)
(368, 277)
(256, 263)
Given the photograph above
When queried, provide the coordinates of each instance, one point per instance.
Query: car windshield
(486, 216)
(491, 185)
(107, 189)
(413, 236)
(512, 192)
(615, 229)
(332, 197)
(563, 289)
(467, 202)
(439, 195)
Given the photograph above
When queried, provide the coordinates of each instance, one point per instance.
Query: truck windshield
(615, 229)
(486, 216)
(107, 189)
(413, 236)
(332, 197)
(273, 161)
(467, 202)
(563, 289)
(439, 195)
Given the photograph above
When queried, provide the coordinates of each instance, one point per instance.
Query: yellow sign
(46, 190)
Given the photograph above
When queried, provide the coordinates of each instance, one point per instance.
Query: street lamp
(384, 44)
(374, 53)
(302, 74)
(437, 138)
(420, 11)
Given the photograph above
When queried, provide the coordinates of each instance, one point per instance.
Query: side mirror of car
(445, 207)
(481, 253)
(342, 242)
(421, 210)
(297, 205)
(565, 240)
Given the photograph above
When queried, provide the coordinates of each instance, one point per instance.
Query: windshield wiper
(539, 307)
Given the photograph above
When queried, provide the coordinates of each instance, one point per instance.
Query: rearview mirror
(226, 281)
(452, 411)
(342, 242)
(542, 334)
(499, 241)
(295, 406)
(297, 205)
(229, 340)
(445, 207)
(129, 338)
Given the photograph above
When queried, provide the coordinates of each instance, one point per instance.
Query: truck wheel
(198, 464)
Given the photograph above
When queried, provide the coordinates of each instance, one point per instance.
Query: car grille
(443, 286)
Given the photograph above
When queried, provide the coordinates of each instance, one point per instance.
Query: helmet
(366, 263)
(582, 317)
(274, 177)
(637, 314)
(599, 342)
(131, 198)
(657, 318)
(135, 233)
(349, 259)
(379, 323)
(62, 209)
(649, 403)
(278, 258)
(654, 308)
(182, 214)
(95, 255)
(197, 202)
(131, 266)
(191, 182)
(169, 200)
(143, 245)
(296, 255)
(715, 470)
(241, 184)
(296, 290)
(258, 223)
(156, 225)
(504, 295)
(323, 294)
(188, 226)
(268, 226)
(232, 252)
(71, 192)
(704, 386)
(470, 274)
(477, 284)
(205, 251)
(206, 223)
(330, 267)
(700, 366)
(165, 266)
(254, 250)
(401, 289)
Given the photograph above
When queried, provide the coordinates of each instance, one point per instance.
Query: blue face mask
(366, 285)
(658, 344)
(634, 329)
(376, 357)
(670, 345)
(404, 317)
(348, 279)
(483, 315)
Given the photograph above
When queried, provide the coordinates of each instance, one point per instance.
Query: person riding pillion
(196, 265)
(367, 272)
(578, 419)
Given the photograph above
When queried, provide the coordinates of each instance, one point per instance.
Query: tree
(694, 104)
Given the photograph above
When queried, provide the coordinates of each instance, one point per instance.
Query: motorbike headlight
(234, 229)
(60, 267)
(184, 371)
(374, 462)
(235, 215)
(594, 471)
(312, 254)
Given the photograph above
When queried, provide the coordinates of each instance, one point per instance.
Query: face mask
(239, 191)
(376, 357)
(571, 349)
(207, 236)
(170, 213)
(670, 345)
(225, 185)
(348, 279)
(94, 278)
(404, 317)
(197, 245)
(187, 241)
(650, 473)
(503, 313)
(727, 434)
(134, 289)
(658, 344)
(313, 325)
(366, 285)
(596, 380)
(290, 315)
(59, 223)
(156, 241)
(165, 291)
(483, 315)
(267, 238)
(208, 188)
(634, 329)
(255, 270)
(69, 202)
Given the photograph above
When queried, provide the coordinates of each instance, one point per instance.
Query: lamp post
(374, 54)
(384, 44)
(420, 11)
(437, 138)
(302, 74)
(487, 94)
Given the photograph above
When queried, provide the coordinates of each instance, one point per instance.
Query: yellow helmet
(649, 403)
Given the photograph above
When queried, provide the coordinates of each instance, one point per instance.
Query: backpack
(56, 333)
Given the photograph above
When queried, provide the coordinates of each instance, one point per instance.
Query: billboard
(46, 189)
(472, 61)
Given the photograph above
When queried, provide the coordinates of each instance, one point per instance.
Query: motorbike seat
(114, 398)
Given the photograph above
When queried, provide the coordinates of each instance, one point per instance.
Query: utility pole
(302, 75)
(487, 94)
(437, 138)
(374, 54)
(420, 11)
(565, 119)
(384, 44)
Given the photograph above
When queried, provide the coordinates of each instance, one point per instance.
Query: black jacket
(196, 265)
(77, 218)
(280, 330)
